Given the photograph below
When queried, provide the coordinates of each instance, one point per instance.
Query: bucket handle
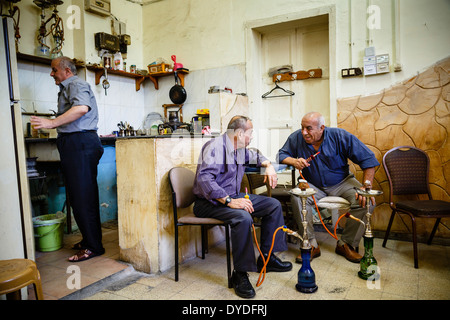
(43, 235)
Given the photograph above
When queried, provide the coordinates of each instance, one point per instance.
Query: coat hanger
(288, 92)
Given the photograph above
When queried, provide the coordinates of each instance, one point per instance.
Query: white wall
(210, 40)
(205, 34)
(127, 12)
(38, 91)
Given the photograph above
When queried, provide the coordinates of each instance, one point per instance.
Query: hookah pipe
(368, 264)
(347, 215)
(306, 276)
(265, 261)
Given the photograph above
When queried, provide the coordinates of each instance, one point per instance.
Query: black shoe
(275, 264)
(242, 285)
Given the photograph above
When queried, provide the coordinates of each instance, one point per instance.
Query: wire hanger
(288, 92)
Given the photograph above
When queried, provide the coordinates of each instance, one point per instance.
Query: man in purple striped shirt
(217, 186)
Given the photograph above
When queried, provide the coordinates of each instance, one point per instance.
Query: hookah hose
(348, 215)
(263, 270)
(287, 230)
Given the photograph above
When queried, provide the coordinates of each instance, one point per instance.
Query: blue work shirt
(220, 169)
(76, 92)
(329, 167)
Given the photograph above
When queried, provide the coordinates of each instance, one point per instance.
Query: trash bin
(49, 231)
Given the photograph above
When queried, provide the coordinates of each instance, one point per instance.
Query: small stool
(337, 205)
(16, 274)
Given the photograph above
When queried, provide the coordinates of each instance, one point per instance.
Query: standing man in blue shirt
(329, 175)
(80, 151)
(217, 186)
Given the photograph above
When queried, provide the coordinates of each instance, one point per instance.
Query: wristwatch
(227, 201)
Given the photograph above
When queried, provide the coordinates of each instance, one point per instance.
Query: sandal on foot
(82, 255)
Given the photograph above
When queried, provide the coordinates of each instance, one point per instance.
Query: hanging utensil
(177, 93)
(105, 83)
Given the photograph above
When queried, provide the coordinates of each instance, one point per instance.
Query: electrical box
(106, 41)
(100, 7)
(382, 63)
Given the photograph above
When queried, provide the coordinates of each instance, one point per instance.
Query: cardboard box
(155, 68)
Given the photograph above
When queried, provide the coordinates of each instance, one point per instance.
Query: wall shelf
(155, 76)
(44, 60)
(100, 71)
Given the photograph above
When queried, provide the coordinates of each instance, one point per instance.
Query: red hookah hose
(263, 270)
(320, 217)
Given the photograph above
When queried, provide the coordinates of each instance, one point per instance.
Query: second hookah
(368, 264)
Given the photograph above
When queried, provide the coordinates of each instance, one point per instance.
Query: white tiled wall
(122, 102)
(196, 84)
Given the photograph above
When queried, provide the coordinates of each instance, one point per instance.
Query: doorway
(305, 41)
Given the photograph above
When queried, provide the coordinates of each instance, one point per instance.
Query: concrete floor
(206, 279)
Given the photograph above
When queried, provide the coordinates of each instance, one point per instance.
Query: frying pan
(177, 93)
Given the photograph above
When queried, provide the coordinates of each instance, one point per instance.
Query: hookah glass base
(306, 277)
(368, 264)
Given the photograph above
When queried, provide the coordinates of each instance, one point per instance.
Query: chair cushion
(333, 203)
(192, 219)
(425, 207)
(279, 192)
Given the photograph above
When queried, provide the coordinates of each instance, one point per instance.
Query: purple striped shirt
(220, 168)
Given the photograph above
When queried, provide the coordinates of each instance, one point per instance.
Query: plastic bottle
(118, 61)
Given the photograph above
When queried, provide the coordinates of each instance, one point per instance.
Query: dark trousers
(271, 214)
(80, 153)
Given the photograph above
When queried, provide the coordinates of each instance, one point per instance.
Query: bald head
(314, 117)
(313, 125)
(240, 130)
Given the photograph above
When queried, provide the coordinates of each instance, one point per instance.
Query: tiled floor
(58, 280)
(206, 279)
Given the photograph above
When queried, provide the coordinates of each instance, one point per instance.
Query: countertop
(113, 138)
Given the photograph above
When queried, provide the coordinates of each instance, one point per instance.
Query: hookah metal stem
(318, 212)
(348, 215)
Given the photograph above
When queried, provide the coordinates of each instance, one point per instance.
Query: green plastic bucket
(49, 231)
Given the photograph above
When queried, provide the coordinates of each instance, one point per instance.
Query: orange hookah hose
(320, 217)
(263, 270)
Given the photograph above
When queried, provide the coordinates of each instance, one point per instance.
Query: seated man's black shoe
(275, 264)
(242, 285)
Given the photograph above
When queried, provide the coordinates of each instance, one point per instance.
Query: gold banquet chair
(407, 170)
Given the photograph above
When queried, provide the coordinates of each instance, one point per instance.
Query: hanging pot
(177, 93)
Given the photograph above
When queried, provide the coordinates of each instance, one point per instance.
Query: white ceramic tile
(195, 89)
(113, 96)
(232, 77)
(26, 80)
